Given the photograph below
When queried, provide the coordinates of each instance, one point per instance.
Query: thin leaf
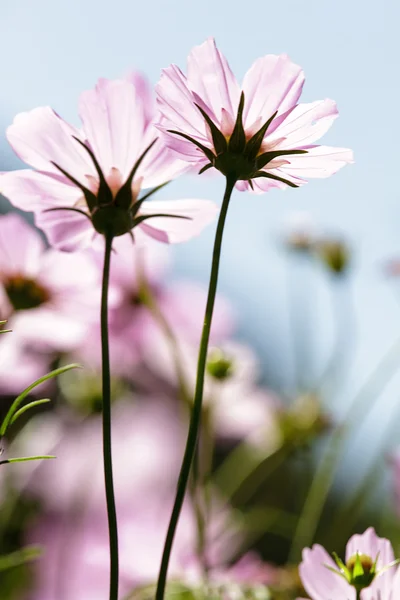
(22, 410)
(153, 191)
(26, 459)
(20, 557)
(142, 218)
(27, 391)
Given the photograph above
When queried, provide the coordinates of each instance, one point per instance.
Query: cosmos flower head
(369, 571)
(49, 298)
(258, 134)
(88, 181)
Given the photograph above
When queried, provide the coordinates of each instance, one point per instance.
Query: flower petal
(319, 162)
(65, 230)
(211, 78)
(33, 191)
(114, 123)
(198, 213)
(18, 258)
(40, 137)
(273, 83)
(319, 582)
(303, 125)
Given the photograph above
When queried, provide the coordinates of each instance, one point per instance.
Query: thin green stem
(107, 454)
(198, 395)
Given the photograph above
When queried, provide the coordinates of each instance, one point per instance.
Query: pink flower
(47, 297)
(259, 131)
(20, 365)
(97, 172)
(134, 331)
(375, 583)
(237, 407)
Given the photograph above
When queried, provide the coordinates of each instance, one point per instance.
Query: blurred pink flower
(20, 365)
(134, 331)
(271, 88)
(48, 297)
(237, 406)
(79, 167)
(321, 583)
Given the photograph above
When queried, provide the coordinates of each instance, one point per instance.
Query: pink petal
(319, 162)
(41, 137)
(273, 83)
(145, 92)
(114, 123)
(176, 104)
(67, 231)
(210, 76)
(303, 125)
(169, 230)
(319, 582)
(21, 246)
(33, 191)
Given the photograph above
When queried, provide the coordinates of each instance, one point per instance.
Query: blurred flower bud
(303, 420)
(335, 254)
(299, 232)
(219, 364)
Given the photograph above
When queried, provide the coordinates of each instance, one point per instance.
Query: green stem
(107, 454)
(198, 395)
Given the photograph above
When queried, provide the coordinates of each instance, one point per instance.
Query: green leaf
(254, 144)
(237, 142)
(26, 459)
(20, 557)
(22, 410)
(219, 140)
(15, 405)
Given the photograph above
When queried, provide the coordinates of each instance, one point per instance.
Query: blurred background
(321, 335)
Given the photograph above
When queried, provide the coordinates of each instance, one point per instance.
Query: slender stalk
(198, 395)
(107, 454)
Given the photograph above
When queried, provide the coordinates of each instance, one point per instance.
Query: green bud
(219, 366)
(112, 220)
(334, 254)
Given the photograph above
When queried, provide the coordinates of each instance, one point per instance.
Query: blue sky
(51, 51)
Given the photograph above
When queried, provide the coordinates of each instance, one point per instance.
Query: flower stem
(198, 395)
(107, 455)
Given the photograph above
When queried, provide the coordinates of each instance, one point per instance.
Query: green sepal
(142, 218)
(274, 177)
(153, 191)
(91, 199)
(9, 461)
(337, 572)
(219, 140)
(237, 141)
(254, 144)
(358, 570)
(210, 155)
(70, 208)
(205, 168)
(123, 199)
(104, 194)
(264, 159)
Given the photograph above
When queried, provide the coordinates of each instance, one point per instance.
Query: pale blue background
(52, 50)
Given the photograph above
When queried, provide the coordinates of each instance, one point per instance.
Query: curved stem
(107, 455)
(198, 395)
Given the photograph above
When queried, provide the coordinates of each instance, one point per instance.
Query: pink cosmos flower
(20, 365)
(48, 297)
(98, 171)
(134, 332)
(237, 406)
(258, 129)
(376, 582)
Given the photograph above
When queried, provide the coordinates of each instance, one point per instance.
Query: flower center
(25, 293)
(219, 365)
(362, 570)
